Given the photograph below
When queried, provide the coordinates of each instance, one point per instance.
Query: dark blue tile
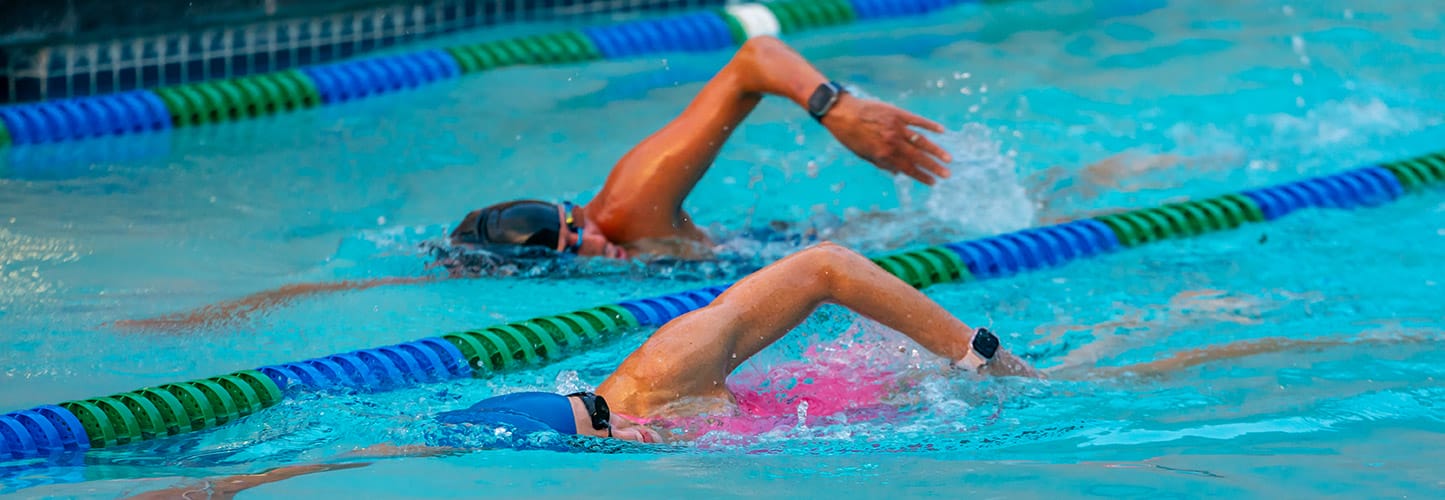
(127, 79)
(80, 83)
(367, 45)
(240, 66)
(450, 12)
(195, 71)
(104, 82)
(173, 73)
(216, 67)
(325, 53)
(261, 62)
(282, 60)
(386, 41)
(304, 56)
(27, 89)
(326, 29)
(150, 75)
(55, 86)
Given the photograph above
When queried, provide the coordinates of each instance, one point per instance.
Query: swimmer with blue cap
(683, 367)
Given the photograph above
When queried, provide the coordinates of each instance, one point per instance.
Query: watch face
(985, 343)
(821, 100)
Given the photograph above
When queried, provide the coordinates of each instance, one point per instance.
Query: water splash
(985, 194)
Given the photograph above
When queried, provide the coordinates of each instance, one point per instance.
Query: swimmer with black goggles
(639, 208)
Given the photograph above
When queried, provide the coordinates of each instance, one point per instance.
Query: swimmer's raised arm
(693, 354)
(643, 195)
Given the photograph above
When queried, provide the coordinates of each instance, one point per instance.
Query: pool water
(1187, 99)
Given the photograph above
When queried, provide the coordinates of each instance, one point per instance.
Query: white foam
(985, 194)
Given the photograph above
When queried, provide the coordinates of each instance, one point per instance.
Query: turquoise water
(1243, 94)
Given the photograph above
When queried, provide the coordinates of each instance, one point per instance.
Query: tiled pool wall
(71, 48)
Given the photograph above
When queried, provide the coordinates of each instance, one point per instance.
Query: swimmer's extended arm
(643, 195)
(694, 353)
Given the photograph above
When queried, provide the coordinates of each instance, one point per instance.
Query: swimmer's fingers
(923, 152)
(921, 122)
(933, 149)
(926, 164)
(906, 164)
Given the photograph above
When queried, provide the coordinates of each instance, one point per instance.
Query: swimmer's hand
(879, 132)
(1006, 364)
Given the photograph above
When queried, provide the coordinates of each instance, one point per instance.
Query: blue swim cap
(527, 412)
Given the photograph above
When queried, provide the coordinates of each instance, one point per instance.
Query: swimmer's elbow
(833, 264)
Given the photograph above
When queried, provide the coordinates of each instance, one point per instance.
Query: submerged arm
(227, 487)
(232, 311)
(1195, 357)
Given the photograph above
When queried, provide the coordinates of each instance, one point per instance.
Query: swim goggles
(596, 410)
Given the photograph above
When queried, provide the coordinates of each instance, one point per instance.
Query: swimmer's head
(532, 224)
(583, 413)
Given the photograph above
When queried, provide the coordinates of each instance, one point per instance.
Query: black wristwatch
(823, 99)
(985, 343)
(984, 347)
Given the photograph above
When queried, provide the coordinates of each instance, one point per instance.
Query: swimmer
(682, 369)
(638, 211)
(639, 208)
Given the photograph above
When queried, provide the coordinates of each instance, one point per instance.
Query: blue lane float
(1361, 187)
(882, 9)
(657, 311)
(345, 81)
(422, 361)
(703, 31)
(40, 431)
(1030, 249)
(85, 117)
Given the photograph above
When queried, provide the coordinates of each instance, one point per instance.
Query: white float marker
(756, 19)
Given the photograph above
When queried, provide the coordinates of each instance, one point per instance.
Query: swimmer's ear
(1006, 364)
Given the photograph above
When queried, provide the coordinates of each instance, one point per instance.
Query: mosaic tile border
(70, 70)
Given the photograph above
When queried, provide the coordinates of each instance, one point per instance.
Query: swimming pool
(1249, 94)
